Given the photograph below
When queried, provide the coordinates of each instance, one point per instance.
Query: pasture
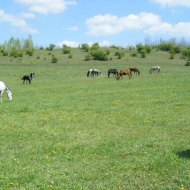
(69, 131)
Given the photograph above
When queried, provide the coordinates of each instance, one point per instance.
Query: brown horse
(135, 70)
(124, 72)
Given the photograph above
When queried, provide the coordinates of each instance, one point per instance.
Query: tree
(85, 47)
(95, 46)
(99, 55)
(51, 46)
(66, 49)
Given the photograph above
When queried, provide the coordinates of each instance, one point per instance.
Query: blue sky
(108, 22)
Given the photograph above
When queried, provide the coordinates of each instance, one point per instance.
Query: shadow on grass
(184, 154)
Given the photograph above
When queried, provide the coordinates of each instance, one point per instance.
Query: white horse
(154, 68)
(93, 72)
(6, 88)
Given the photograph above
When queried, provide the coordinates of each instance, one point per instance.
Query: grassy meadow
(69, 131)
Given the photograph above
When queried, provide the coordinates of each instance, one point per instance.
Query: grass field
(67, 131)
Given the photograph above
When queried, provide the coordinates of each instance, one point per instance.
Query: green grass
(67, 131)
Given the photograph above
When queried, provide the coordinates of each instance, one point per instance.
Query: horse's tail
(108, 73)
(88, 73)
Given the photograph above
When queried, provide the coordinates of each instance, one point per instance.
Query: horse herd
(119, 74)
(92, 72)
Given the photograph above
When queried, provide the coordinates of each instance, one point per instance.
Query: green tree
(66, 49)
(85, 47)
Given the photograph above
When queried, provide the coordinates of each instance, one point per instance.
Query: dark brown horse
(134, 70)
(124, 72)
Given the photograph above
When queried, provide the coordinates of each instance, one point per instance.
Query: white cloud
(148, 23)
(47, 6)
(68, 43)
(105, 43)
(109, 24)
(172, 3)
(178, 30)
(18, 22)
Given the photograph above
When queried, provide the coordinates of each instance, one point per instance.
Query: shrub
(88, 57)
(139, 47)
(143, 53)
(119, 54)
(66, 49)
(30, 52)
(95, 46)
(148, 48)
(172, 53)
(107, 51)
(134, 54)
(85, 47)
(99, 55)
(187, 63)
(50, 48)
(5, 53)
(54, 59)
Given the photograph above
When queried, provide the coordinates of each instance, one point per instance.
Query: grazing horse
(154, 68)
(123, 72)
(7, 89)
(32, 75)
(113, 71)
(135, 70)
(94, 72)
(26, 78)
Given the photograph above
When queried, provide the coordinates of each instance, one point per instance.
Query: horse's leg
(1, 96)
(129, 75)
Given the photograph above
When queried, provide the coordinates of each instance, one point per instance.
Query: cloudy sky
(108, 22)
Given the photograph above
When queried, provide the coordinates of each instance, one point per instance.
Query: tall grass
(67, 131)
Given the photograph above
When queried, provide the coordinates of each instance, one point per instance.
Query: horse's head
(118, 76)
(9, 95)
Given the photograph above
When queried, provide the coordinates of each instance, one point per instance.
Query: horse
(26, 78)
(94, 72)
(32, 75)
(135, 70)
(123, 72)
(113, 71)
(154, 68)
(3, 87)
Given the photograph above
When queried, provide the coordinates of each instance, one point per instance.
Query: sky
(107, 22)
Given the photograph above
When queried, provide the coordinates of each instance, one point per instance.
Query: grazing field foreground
(69, 131)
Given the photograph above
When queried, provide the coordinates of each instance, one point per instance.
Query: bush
(119, 54)
(54, 59)
(95, 47)
(139, 47)
(88, 57)
(66, 49)
(148, 48)
(85, 47)
(134, 54)
(187, 63)
(5, 53)
(143, 53)
(99, 55)
(172, 53)
(30, 52)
